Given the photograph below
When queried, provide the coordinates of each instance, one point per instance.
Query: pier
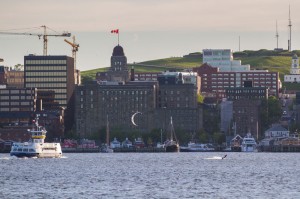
(280, 148)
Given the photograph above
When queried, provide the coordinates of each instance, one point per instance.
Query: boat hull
(172, 148)
(236, 149)
(23, 155)
(248, 149)
(38, 155)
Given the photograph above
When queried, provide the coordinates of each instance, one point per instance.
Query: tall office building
(51, 73)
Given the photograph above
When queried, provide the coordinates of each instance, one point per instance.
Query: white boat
(248, 144)
(36, 147)
(196, 147)
(115, 144)
(127, 143)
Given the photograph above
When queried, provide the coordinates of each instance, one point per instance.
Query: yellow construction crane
(75, 47)
(44, 35)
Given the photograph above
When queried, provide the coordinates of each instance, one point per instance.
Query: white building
(294, 75)
(223, 59)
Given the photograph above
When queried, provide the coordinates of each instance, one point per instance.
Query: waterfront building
(294, 76)
(51, 73)
(17, 105)
(116, 95)
(246, 102)
(11, 78)
(214, 83)
(223, 59)
(15, 78)
(95, 102)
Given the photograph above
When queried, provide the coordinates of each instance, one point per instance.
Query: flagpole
(118, 36)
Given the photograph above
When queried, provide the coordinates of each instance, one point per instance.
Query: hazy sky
(149, 29)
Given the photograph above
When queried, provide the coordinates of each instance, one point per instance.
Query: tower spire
(290, 31)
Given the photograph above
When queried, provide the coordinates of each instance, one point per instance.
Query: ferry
(36, 147)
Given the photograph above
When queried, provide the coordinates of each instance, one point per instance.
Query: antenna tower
(277, 35)
(290, 31)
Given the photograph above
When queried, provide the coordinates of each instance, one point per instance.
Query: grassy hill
(278, 61)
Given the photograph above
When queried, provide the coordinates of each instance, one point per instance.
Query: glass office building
(51, 73)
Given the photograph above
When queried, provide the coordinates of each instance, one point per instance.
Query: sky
(148, 29)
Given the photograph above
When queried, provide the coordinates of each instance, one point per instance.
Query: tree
(270, 111)
(18, 67)
(200, 98)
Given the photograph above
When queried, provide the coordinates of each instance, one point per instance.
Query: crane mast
(75, 47)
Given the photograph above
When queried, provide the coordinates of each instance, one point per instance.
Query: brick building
(115, 96)
(214, 83)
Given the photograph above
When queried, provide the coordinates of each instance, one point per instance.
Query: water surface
(152, 175)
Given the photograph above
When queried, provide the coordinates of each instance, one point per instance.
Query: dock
(139, 150)
(280, 148)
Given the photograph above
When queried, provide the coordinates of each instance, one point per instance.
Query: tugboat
(36, 147)
(172, 144)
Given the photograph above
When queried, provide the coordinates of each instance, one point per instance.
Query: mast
(290, 31)
(276, 35)
(107, 131)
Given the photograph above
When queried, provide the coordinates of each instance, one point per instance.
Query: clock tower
(118, 66)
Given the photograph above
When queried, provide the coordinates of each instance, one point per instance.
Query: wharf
(81, 150)
(280, 148)
(139, 150)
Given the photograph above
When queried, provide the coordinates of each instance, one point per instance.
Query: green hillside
(261, 59)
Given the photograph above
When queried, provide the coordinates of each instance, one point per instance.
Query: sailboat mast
(172, 129)
(107, 131)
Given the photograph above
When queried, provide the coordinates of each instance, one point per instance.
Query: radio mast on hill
(277, 36)
(290, 31)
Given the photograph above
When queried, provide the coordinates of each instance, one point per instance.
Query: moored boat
(235, 143)
(172, 145)
(196, 147)
(248, 144)
(36, 147)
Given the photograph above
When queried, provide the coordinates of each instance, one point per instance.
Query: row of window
(5, 103)
(55, 90)
(246, 91)
(46, 68)
(46, 74)
(46, 79)
(62, 102)
(15, 97)
(17, 91)
(15, 109)
(27, 62)
(45, 85)
(111, 92)
(243, 74)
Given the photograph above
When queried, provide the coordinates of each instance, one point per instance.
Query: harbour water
(152, 175)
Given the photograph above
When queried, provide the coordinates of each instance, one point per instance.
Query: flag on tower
(115, 31)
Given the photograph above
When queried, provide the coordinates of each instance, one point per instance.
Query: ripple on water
(152, 175)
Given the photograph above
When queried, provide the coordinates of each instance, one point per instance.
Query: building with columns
(294, 76)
